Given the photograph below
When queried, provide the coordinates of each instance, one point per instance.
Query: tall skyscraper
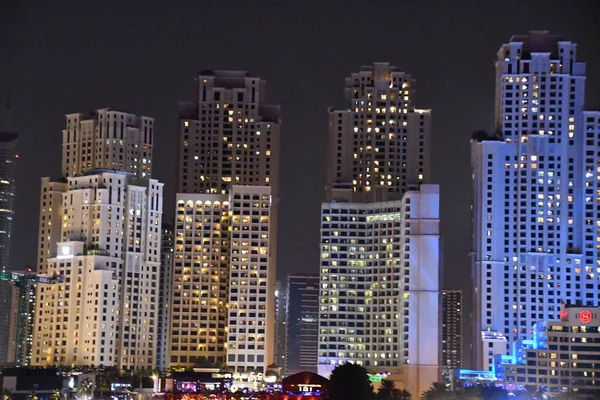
(164, 296)
(380, 302)
(100, 232)
(8, 181)
(451, 329)
(535, 223)
(302, 323)
(226, 225)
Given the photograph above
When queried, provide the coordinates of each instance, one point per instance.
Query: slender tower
(8, 180)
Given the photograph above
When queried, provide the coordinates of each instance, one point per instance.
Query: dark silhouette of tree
(404, 395)
(530, 393)
(6, 394)
(437, 391)
(469, 393)
(592, 395)
(388, 391)
(350, 381)
(491, 392)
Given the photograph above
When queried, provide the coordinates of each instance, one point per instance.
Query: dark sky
(75, 56)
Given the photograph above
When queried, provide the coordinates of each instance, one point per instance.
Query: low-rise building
(563, 356)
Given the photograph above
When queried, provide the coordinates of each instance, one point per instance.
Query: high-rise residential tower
(99, 232)
(535, 219)
(302, 323)
(225, 228)
(380, 300)
(8, 180)
(451, 329)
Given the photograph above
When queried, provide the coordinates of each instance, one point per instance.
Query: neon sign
(585, 316)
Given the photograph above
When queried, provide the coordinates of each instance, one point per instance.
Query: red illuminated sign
(585, 316)
(563, 314)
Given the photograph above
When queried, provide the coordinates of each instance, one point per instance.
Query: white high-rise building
(100, 232)
(379, 301)
(221, 305)
(535, 195)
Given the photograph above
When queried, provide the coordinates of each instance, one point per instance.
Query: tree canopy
(388, 391)
(350, 381)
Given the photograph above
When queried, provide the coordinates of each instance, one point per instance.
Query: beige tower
(226, 225)
(109, 139)
(100, 232)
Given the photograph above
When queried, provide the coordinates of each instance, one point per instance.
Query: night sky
(76, 56)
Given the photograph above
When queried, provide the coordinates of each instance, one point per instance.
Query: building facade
(226, 225)
(8, 183)
(229, 135)
(99, 232)
(535, 237)
(105, 311)
(221, 301)
(379, 301)
(107, 139)
(564, 355)
(378, 147)
(164, 296)
(302, 323)
(452, 307)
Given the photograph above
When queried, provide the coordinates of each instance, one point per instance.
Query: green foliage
(437, 391)
(350, 381)
(388, 391)
(6, 394)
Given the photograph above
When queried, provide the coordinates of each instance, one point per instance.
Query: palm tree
(404, 395)
(32, 395)
(388, 391)
(436, 392)
(6, 394)
(56, 394)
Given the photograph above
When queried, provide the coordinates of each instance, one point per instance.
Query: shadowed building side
(8, 175)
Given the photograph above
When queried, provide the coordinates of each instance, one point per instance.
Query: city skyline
(429, 100)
